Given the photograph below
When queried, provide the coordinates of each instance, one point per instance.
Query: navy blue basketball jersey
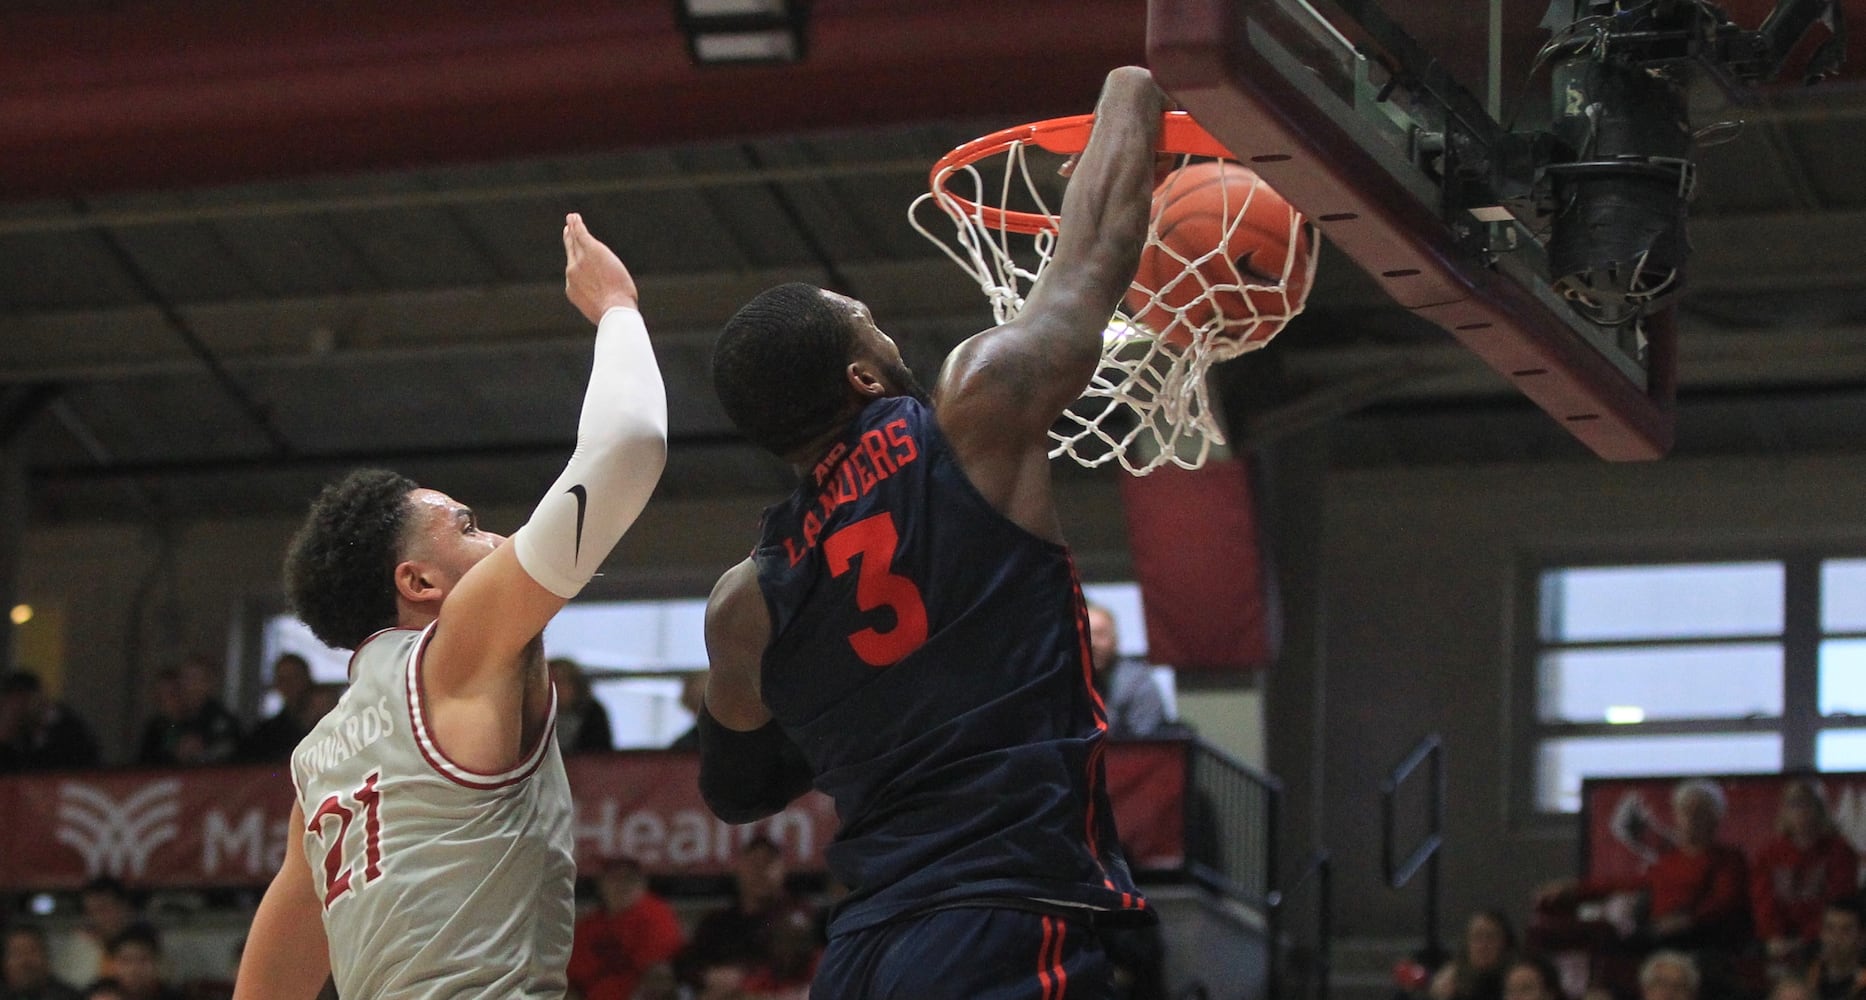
(930, 657)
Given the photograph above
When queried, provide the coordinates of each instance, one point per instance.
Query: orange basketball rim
(1067, 136)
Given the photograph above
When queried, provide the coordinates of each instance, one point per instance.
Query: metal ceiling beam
(1753, 252)
(254, 411)
(904, 329)
(247, 464)
(1778, 251)
(185, 212)
(686, 309)
(19, 406)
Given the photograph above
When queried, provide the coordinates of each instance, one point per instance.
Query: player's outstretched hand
(595, 279)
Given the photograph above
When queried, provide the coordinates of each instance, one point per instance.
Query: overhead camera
(1616, 170)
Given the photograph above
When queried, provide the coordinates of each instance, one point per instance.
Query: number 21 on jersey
(874, 539)
(334, 817)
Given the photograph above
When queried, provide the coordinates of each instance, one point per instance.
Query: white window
(637, 655)
(1683, 668)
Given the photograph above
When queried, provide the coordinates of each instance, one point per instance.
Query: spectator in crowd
(275, 737)
(658, 983)
(1668, 975)
(582, 721)
(1531, 977)
(12, 721)
(1791, 988)
(44, 734)
(788, 965)
(1697, 888)
(105, 910)
(1136, 709)
(1807, 865)
(631, 932)
(1476, 972)
(162, 733)
(27, 970)
(191, 726)
(692, 694)
(321, 702)
(136, 961)
(1836, 972)
(729, 942)
(105, 989)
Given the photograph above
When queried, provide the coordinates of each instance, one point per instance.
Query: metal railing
(1319, 961)
(1430, 753)
(1233, 814)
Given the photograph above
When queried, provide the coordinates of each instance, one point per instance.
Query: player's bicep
(738, 627)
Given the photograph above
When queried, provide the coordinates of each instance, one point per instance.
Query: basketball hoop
(1189, 308)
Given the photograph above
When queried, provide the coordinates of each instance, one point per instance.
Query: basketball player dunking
(909, 634)
(429, 853)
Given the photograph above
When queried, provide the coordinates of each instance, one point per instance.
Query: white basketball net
(1147, 404)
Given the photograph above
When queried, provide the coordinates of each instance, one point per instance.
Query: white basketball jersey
(438, 882)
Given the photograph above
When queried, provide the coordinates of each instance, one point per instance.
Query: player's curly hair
(778, 366)
(339, 569)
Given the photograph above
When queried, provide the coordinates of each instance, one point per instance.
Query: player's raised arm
(1003, 388)
(505, 600)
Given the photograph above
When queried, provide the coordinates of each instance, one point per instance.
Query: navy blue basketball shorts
(966, 953)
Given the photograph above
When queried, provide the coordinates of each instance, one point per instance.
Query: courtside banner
(1628, 821)
(225, 826)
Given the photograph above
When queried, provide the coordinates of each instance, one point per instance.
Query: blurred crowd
(631, 943)
(1704, 920)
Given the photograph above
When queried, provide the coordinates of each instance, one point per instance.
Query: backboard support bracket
(1231, 64)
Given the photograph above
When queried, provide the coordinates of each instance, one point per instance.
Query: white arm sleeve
(621, 449)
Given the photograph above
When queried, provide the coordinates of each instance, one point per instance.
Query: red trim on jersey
(1044, 978)
(437, 758)
(1062, 974)
(349, 669)
(1084, 650)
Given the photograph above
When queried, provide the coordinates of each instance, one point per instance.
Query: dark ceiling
(243, 245)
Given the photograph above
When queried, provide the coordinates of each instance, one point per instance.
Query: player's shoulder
(389, 644)
(736, 606)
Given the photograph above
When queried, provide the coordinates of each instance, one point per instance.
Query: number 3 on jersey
(877, 586)
(336, 875)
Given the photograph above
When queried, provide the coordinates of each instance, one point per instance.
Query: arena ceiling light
(728, 32)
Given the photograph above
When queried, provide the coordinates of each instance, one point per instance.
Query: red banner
(1193, 535)
(225, 826)
(1627, 820)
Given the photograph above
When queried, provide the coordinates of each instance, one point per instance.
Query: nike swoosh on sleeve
(583, 499)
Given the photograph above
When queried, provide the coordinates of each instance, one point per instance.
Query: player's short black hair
(340, 568)
(778, 366)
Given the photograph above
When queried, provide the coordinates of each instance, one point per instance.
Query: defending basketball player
(909, 634)
(429, 852)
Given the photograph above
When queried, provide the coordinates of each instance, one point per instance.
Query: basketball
(1226, 253)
